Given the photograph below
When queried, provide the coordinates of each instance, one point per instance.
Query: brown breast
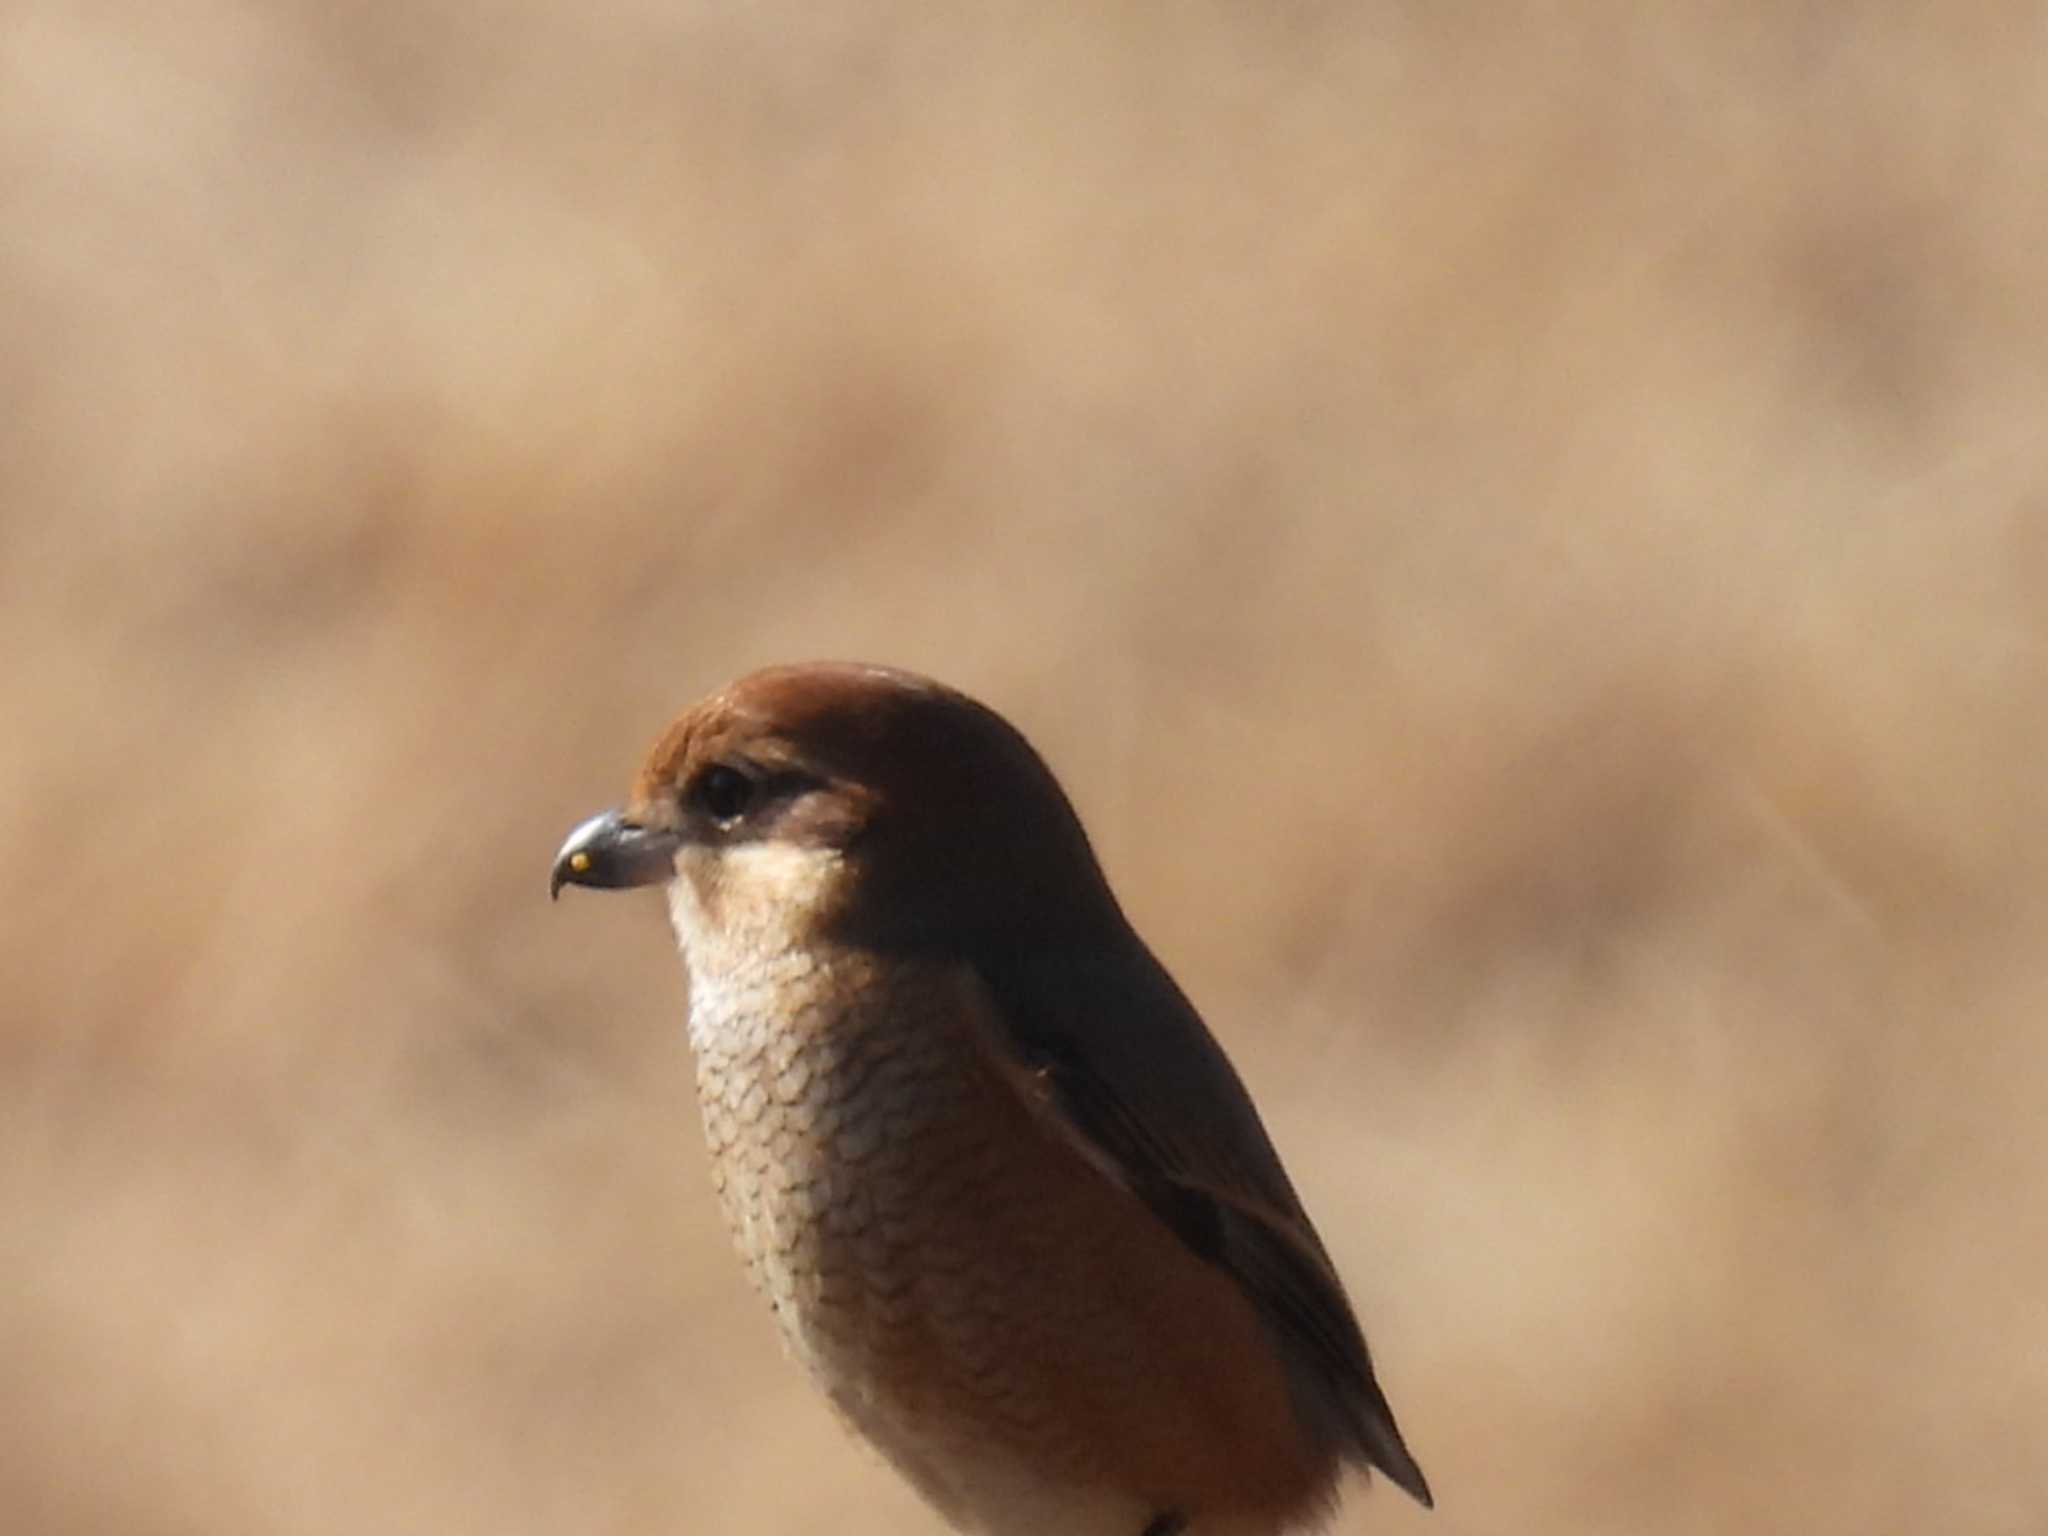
(956, 1276)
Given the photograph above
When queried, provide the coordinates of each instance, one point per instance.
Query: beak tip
(608, 852)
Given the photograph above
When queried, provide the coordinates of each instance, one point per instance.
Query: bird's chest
(971, 1294)
(848, 1115)
(889, 1195)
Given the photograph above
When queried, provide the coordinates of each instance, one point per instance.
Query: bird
(1009, 1201)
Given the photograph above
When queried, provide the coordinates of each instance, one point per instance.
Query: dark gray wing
(1116, 1054)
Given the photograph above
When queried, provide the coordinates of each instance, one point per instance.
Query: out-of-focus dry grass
(1523, 528)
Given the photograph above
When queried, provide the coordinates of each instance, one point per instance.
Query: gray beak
(609, 852)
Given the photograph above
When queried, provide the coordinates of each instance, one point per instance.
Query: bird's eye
(724, 793)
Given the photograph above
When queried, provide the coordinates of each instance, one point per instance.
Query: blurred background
(1524, 529)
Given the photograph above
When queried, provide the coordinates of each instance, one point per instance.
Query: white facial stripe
(786, 873)
(731, 905)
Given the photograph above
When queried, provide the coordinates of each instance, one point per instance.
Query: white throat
(745, 925)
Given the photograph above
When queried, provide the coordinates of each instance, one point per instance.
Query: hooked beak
(610, 852)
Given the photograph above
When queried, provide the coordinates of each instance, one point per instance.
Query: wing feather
(1107, 1047)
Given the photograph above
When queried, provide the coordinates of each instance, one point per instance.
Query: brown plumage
(1012, 1205)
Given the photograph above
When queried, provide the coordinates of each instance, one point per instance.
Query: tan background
(1524, 528)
